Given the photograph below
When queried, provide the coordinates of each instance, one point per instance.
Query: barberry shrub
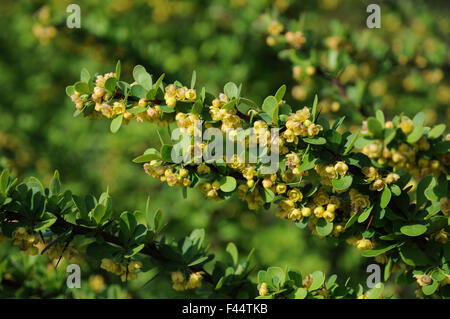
(383, 189)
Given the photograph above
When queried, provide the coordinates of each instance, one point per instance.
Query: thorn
(370, 221)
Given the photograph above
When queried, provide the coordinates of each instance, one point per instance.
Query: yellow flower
(295, 214)
(306, 211)
(195, 280)
(318, 211)
(281, 188)
(423, 280)
(378, 185)
(364, 244)
(295, 195)
(328, 216)
(341, 168)
(191, 95)
(275, 28)
(96, 282)
(406, 125)
(203, 169)
(177, 277)
(171, 101)
(263, 289)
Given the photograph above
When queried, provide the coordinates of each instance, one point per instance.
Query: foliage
(322, 182)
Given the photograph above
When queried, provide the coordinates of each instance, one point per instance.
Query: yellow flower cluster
(445, 206)
(361, 244)
(230, 121)
(164, 173)
(174, 94)
(295, 38)
(329, 172)
(254, 199)
(298, 124)
(180, 283)
(210, 190)
(120, 269)
(441, 236)
(186, 122)
(405, 158)
(377, 182)
(358, 201)
(68, 252)
(25, 241)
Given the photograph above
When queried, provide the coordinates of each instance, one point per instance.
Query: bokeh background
(223, 41)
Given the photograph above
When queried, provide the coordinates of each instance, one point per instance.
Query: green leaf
(280, 93)
(138, 91)
(380, 117)
(375, 292)
(49, 220)
(315, 140)
(350, 145)
(324, 227)
(365, 214)
(118, 69)
(375, 127)
(413, 230)
(338, 123)
(343, 182)
(389, 135)
(436, 131)
(430, 289)
(70, 90)
(166, 153)
(270, 106)
(301, 293)
(378, 251)
(82, 88)
(193, 79)
(149, 155)
(152, 93)
(387, 269)
(227, 183)
(133, 251)
(197, 107)
(116, 123)
(395, 189)
(85, 76)
(314, 109)
(4, 181)
(231, 90)
(158, 220)
(441, 147)
(351, 220)
(318, 279)
(419, 119)
(414, 256)
(55, 184)
(268, 195)
(141, 76)
(98, 213)
(110, 84)
(277, 275)
(198, 261)
(232, 250)
(421, 187)
(385, 197)
(415, 135)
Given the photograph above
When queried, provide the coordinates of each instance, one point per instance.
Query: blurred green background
(40, 56)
